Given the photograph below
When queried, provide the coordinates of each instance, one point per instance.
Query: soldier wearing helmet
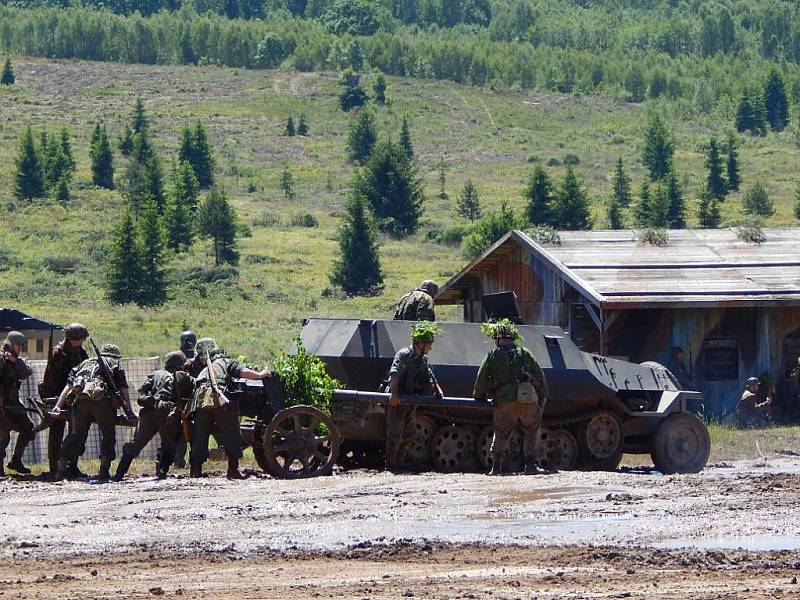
(188, 340)
(207, 410)
(93, 403)
(13, 416)
(752, 410)
(64, 357)
(417, 305)
(511, 375)
(160, 400)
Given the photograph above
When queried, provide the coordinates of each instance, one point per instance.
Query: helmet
(204, 345)
(174, 360)
(188, 339)
(76, 331)
(16, 337)
(424, 331)
(752, 380)
(501, 329)
(429, 287)
(110, 350)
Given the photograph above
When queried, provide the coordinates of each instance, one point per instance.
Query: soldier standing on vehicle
(209, 408)
(417, 305)
(94, 403)
(519, 391)
(64, 357)
(752, 410)
(162, 397)
(410, 373)
(13, 416)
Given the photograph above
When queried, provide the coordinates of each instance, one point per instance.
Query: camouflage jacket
(414, 372)
(89, 370)
(12, 373)
(160, 385)
(503, 368)
(224, 370)
(62, 360)
(415, 306)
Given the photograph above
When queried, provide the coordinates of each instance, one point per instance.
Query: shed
(41, 335)
(734, 306)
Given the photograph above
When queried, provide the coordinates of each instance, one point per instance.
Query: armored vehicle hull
(599, 407)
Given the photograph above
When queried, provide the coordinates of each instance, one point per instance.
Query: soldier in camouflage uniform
(64, 357)
(162, 397)
(207, 412)
(13, 416)
(410, 373)
(187, 342)
(519, 391)
(94, 404)
(417, 305)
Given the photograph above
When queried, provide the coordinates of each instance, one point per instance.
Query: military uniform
(416, 305)
(502, 371)
(63, 358)
(751, 410)
(681, 373)
(13, 416)
(415, 377)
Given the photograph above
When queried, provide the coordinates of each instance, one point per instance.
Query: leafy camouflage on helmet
(424, 331)
(111, 351)
(174, 360)
(204, 345)
(15, 337)
(76, 331)
(501, 329)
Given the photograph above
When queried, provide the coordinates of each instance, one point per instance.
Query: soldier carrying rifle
(13, 416)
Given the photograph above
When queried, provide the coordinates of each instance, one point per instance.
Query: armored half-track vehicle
(599, 407)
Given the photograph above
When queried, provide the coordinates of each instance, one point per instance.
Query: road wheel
(419, 452)
(681, 444)
(556, 450)
(300, 442)
(483, 448)
(453, 448)
(600, 442)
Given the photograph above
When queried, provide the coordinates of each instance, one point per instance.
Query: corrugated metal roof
(697, 267)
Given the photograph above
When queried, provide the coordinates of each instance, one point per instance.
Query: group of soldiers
(181, 402)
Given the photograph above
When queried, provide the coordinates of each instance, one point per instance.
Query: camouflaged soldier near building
(209, 410)
(752, 410)
(13, 416)
(93, 404)
(518, 389)
(64, 357)
(417, 305)
(410, 373)
(162, 397)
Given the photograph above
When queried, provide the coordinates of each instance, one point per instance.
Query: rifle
(183, 410)
(107, 376)
(219, 398)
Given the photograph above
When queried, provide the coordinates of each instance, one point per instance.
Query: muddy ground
(732, 531)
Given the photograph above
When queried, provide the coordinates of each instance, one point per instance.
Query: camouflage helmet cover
(501, 329)
(429, 287)
(204, 345)
(16, 337)
(424, 331)
(173, 361)
(111, 351)
(76, 331)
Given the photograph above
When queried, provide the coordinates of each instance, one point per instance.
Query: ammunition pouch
(526, 393)
(92, 390)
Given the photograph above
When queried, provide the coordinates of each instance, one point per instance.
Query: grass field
(51, 256)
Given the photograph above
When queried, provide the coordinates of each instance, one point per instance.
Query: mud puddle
(755, 543)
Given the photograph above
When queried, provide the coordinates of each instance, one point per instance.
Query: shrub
(654, 237)
(267, 219)
(572, 160)
(751, 235)
(304, 220)
(304, 378)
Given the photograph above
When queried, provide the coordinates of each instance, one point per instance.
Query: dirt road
(730, 532)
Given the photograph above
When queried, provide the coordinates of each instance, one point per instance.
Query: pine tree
(405, 138)
(715, 182)
(126, 142)
(775, 102)
(186, 152)
(178, 215)
(287, 182)
(614, 213)
(751, 113)
(757, 202)
(797, 203)
(7, 77)
(353, 95)
(393, 188)
(572, 204)
(676, 211)
(29, 179)
(622, 185)
(290, 129)
(379, 87)
(61, 191)
(442, 181)
(204, 161)
(362, 136)
(538, 192)
(185, 185)
(139, 119)
(66, 151)
(152, 234)
(658, 147)
(659, 207)
(469, 203)
(124, 269)
(216, 221)
(643, 210)
(54, 163)
(732, 164)
(302, 126)
(708, 210)
(358, 268)
(102, 158)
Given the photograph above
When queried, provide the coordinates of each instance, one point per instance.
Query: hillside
(52, 256)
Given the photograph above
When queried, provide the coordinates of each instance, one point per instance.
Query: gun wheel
(453, 448)
(301, 442)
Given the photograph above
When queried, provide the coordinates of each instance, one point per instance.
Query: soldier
(208, 411)
(162, 398)
(751, 410)
(13, 416)
(187, 341)
(93, 404)
(519, 392)
(792, 412)
(64, 357)
(677, 367)
(410, 373)
(417, 305)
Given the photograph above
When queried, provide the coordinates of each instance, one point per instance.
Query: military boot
(196, 469)
(162, 466)
(233, 469)
(531, 468)
(104, 474)
(122, 467)
(497, 466)
(62, 470)
(16, 464)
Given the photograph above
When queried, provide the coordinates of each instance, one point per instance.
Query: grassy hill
(51, 256)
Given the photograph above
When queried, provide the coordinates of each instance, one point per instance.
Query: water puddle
(758, 543)
(524, 496)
